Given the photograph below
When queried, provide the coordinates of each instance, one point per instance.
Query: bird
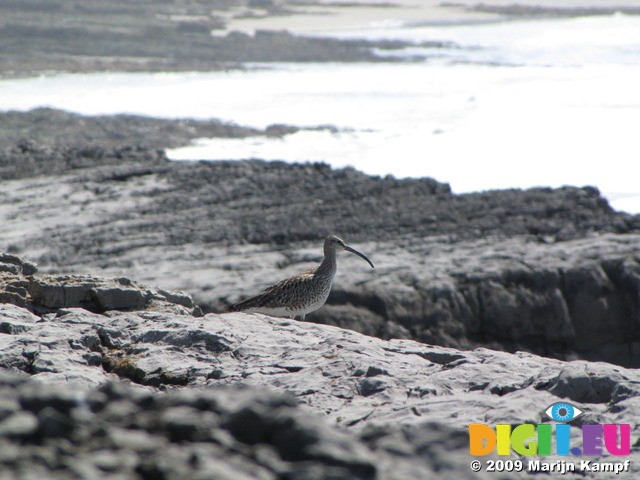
(303, 293)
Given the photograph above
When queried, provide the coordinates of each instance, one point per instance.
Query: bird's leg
(302, 317)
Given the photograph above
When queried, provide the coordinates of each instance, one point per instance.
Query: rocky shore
(514, 9)
(133, 385)
(52, 36)
(116, 265)
(550, 271)
(131, 259)
(116, 360)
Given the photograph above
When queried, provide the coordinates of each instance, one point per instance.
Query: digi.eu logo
(550, 439)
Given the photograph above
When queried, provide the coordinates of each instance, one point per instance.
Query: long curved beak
(353, 250)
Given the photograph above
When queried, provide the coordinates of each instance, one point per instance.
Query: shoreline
(324, 18)
(324, 50)
(156, 38)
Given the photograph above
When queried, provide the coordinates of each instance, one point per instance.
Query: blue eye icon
(563, 412)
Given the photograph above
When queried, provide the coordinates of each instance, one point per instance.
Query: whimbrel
(302, 293)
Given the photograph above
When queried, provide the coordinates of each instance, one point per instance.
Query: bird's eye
(563, 412)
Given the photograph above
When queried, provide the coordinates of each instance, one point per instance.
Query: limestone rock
(20, 285)
(260, 397)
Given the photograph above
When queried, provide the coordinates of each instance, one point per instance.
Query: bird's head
(334, 243)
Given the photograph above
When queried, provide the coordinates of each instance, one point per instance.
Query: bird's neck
(328, 265)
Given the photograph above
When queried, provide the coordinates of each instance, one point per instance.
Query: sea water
(511, 104)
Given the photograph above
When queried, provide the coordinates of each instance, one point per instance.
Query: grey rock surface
(258, 397)
(44, 36)
(553, 272)
(21, 285)
(573, 299)
(232, 433)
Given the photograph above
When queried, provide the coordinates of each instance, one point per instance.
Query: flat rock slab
(571, 299)
(393, 395)
(21, 285)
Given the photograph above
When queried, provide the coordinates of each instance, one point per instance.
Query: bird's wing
(288, 292)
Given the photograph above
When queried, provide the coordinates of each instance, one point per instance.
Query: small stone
(36, 399)
(177, 297)
(20, 424)
(373, 371)
(369, 386)
(23, 266)
(8, 406)
(8, 267)
(12, 328)
(93, 359)
(119, 298)
(53, 424)
(112, 337)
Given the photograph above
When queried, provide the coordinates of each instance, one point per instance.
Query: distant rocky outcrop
(57, 135)
(41, 36)
(526, 10)
(38, 160)
(277, 203)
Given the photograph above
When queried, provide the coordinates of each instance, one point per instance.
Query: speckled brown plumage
(302, 293)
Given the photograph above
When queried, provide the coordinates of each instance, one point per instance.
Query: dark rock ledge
(237, 396)
(20, 285)
(531, 10)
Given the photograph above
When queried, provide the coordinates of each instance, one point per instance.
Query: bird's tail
(233, 308)
(241, 305)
